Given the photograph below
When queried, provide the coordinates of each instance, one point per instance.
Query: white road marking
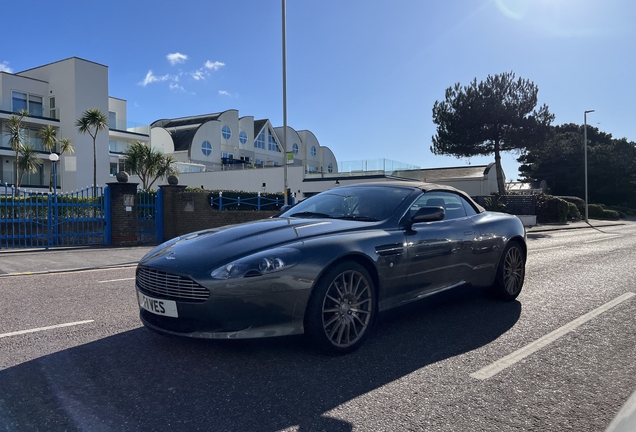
(116, 280)
(509, 360)
(3, 335)
(601, 239)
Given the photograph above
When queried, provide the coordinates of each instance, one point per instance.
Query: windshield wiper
(359, 218)
(308, 214)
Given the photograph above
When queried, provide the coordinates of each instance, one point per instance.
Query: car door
(438, 253)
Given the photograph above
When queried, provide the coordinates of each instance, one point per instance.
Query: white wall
(245, 179)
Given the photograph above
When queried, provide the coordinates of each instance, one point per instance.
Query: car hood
(203, 250)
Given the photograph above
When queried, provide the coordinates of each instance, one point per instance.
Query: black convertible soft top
(425, 187)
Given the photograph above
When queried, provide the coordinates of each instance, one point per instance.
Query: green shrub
(579, 202)
(573, 212)
(495, 202)
(551, 209)
(623, 211)
(597, 211)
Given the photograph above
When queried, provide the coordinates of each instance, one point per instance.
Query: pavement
(15, 262)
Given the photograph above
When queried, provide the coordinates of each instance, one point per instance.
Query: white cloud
(150, 78)
(228, 94)
(4, 67)
(176, 87)
(213, 65)
(175, 58)
(198, 75)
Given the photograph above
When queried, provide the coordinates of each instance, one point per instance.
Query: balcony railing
(124, 125)
(37, 111)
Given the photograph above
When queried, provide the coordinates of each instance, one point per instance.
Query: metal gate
(35, 219)
(150, 215)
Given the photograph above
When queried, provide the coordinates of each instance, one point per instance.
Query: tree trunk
(500, 176)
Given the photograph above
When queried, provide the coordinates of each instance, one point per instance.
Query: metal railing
(36, 219)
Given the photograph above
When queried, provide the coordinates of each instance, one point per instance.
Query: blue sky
(362, 75)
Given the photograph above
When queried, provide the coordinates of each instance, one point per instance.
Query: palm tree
(48, 135)
(149, 164)
(66, 146)
(29, 160)
(92, 122)
(17, 139)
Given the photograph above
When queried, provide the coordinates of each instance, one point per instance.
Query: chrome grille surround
(170, 286)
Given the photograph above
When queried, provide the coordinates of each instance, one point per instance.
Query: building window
(226, 132)
(330, 168)
(112, 120)
(35, 106)
(313, 150)
(118, 146)
(295, 148)
(206, 148)
(31, 103)
(116, 167)
(242, 137)
(271, 143)
(53, 109)
(19, 101)
(260, 141)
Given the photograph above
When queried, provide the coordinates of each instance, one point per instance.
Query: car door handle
(392, 249)
(469, 233)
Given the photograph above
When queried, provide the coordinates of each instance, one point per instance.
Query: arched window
(313, 150)
(242, 137)
(206, 148)
(226, 132)
(295, 148)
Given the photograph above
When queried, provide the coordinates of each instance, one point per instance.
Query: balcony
(36, 111)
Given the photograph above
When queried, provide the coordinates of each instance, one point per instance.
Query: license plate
(157, 306)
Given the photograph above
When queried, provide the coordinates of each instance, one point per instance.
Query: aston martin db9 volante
(328, 265)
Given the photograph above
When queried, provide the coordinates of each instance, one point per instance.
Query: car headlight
(261, 263)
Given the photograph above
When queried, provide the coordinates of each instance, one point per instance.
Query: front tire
(511, 272)
(341, 309)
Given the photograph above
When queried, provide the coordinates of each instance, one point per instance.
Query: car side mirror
(428, 214)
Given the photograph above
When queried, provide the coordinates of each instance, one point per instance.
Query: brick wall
(123, 214)
(185, 212)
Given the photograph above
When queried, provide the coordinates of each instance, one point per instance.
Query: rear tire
(511, 272)
(342, 309)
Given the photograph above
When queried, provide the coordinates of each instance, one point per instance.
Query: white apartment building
(57, 94)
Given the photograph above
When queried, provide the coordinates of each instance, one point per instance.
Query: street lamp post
(53, 157)
(585, 157)
(286, 185)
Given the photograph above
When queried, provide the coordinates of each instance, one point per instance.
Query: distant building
(475, 180)
(223, 151)
(214, 151)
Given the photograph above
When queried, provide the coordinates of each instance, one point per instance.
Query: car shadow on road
(537, 236)
(141, 381)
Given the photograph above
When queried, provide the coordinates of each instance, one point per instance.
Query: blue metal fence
(150, 215)
(256, 202)
(35, 219)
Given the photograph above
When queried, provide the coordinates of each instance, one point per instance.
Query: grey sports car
(328, 265)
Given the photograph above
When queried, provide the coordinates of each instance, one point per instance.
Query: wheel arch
(358, 258)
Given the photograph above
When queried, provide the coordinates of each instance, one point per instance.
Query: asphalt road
(559, 358)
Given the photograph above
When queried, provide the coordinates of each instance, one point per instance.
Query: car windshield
(370, 204)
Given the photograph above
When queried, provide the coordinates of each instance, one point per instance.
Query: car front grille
(170, 286)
